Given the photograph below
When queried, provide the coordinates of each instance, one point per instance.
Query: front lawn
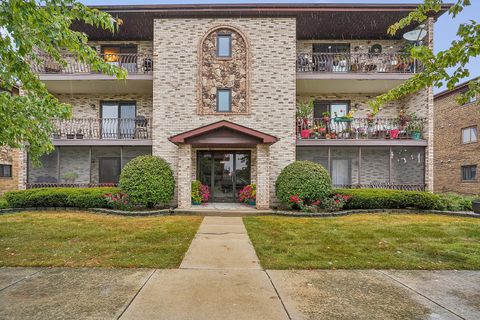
(78, 239)
(379, 241)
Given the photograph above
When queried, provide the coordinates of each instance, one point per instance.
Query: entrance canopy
(223, 134)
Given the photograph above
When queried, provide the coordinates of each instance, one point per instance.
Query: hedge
(396, 199)
(60, 197)
(3, 203)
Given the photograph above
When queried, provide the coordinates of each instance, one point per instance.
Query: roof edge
(455, 89)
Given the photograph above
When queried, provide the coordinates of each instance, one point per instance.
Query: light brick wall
(388, 46)
(88, 106)
(450, 153)
(272, 84)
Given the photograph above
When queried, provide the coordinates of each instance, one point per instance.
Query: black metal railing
(390, 186)
(131, 62)
(360, 128)
(103, 128)
(352, 62)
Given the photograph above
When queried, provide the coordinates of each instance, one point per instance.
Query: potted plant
(304, 113)
(79, 134)
(200, 193)
(248, 194)
(326, 117)
(394, 132)
(415, 127)
(70, 177)
(56, 135)
(70, 135)
(404, 118)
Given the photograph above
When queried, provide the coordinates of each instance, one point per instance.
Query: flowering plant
(200, 192)
(118, 200)
(295, 202)
(248, 193)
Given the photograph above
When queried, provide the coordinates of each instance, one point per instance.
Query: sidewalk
(221, 278)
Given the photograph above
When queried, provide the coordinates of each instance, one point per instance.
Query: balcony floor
(361, 142)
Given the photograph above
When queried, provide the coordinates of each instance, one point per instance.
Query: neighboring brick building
(457, 149)
(213, 89)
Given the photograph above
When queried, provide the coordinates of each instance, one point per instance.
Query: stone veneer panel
(273, 84)
(223, 73)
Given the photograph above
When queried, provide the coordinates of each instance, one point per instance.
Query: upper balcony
(367, 131)
(353, 72)
(103, 131)
(58, 78)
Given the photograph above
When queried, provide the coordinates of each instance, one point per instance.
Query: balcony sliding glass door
(118, 120)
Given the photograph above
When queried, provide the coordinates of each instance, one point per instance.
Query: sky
(445, 28)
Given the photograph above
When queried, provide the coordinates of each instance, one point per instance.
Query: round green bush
(148, 181)
(307, 179)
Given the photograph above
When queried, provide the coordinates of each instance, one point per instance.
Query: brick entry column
(184, 176)
(263, 176)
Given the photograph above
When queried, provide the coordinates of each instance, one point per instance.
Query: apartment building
(214, 89)
(456, 147)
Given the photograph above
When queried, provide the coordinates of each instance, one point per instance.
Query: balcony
(360, 131)
(353, 72)
(102, 131)
(59, 78)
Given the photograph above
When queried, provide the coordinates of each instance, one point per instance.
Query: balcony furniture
(141, 131)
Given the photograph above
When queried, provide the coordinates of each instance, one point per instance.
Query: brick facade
(13, 157)
(450, 153)
(272, 93)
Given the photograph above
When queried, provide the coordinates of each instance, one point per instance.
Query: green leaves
(30, 28)
(435, 66)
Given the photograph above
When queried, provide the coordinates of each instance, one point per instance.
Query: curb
(161, 212)
(468, 214)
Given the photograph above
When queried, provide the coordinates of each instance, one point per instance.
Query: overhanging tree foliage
(29, 28)
(435, 65)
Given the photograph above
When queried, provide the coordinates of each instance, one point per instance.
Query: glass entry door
(225, 172)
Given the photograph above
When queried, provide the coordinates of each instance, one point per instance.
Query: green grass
(371, 241)
(78, 239)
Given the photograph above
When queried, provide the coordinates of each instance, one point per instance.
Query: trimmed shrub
(392, 199)
(306, 179)
(457, 202)
(59, 197)
(148, 180)
(3, 203)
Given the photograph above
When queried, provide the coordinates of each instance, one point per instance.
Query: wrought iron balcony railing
(360, 128)
(353, 62)
(132, 62)
(103, 128)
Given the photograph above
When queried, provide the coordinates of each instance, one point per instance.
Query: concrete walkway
(221, 278)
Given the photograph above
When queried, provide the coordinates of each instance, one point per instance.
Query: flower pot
(343, 119)
(394, 133)
(56, 136)
(252, 202)
(70, 136)
(305, 134)
(416, 135)
(196, 203)
(79, 136)
(476, 206)
(322, 130)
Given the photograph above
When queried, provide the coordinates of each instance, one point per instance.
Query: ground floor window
(369, 166)
(5, 170)
(469, 173)
(83, 165)
(225, 172)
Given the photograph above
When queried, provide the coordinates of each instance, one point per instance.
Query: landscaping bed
(80, 239)
(366, 241)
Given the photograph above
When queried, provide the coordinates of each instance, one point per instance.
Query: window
(224, 45)
(224, 100)
(469, 135)
(332, 107)
(5, 170)
(331, 47)
(469, 173)
(118, 119)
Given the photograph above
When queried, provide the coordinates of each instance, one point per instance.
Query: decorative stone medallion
(223, 73)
